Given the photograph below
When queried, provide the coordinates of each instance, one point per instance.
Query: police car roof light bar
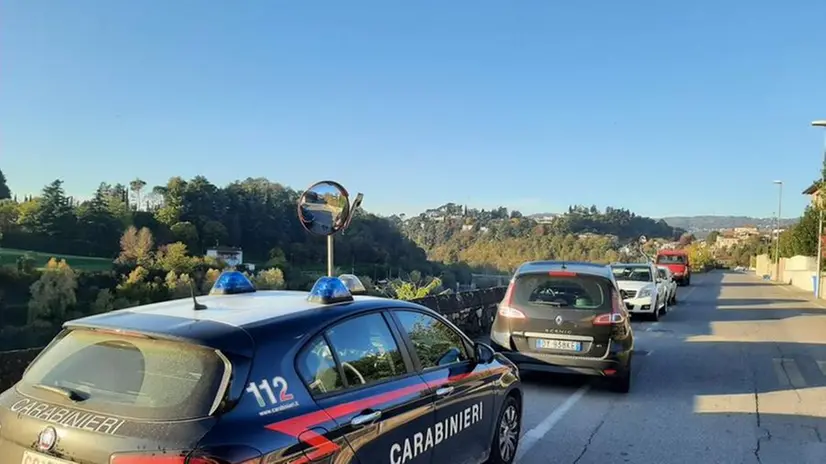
(353, 284)
(232, 283)
(329, 290)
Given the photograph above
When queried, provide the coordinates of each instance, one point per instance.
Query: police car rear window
(127, 376)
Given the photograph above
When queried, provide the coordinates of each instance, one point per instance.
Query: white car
(669, 284)
(642, 290)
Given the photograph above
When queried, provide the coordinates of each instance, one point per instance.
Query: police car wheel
(506, 439)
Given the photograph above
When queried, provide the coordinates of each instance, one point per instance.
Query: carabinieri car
(253, 377)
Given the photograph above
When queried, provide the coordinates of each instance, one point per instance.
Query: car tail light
(511, 313)
(505, 309)
(509, 293)
(616, 316)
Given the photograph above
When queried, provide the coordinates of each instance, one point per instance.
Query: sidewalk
(798, 293)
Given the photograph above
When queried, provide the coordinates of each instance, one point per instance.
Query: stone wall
(471, 311)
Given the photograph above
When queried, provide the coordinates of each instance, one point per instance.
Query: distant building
(746, 231)
(230, 255)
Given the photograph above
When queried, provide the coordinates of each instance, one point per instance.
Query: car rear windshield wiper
(72, 394)
(557, 304)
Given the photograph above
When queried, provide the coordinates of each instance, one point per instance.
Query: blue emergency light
(232, 283)
(329, 290)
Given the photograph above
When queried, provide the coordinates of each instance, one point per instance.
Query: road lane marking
(788, 373)
(537, 433)
(822, 366)
(778, 371)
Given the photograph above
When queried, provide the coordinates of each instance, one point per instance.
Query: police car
(253, 377)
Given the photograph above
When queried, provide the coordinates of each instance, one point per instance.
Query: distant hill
(706, 224)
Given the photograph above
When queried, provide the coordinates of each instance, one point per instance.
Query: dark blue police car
(246, 377)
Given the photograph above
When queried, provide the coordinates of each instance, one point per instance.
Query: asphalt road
(736, 373)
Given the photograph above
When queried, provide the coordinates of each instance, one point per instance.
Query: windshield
(671, 259)
(585, 292)
(127, 376)
(635, 273)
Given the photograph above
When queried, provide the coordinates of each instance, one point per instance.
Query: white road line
(788, 373)
(822, 366)
(537, 433)
(778, 371)
(794, 373)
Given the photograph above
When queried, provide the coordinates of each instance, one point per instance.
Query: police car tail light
(616, 316)
(329, 290)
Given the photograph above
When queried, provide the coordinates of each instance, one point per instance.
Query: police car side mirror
(484, 353)
(324, 208)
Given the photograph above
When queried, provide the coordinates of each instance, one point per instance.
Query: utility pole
(779, 183)
(820, 123)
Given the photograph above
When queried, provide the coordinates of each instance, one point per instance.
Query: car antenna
(198, 306)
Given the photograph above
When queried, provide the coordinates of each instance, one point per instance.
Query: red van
(677, 261)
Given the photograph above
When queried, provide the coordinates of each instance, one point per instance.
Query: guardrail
(471, 311)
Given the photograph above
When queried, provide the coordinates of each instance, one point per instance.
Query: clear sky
(662, 107)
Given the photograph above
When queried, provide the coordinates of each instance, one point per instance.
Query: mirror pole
(330, 254)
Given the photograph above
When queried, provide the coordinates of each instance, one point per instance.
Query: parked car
(669, 283)
(567, 318)
(678, 262)
(642, 290)
(242, 376)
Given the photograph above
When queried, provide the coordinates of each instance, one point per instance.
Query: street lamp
(779, 183)
(820, 123)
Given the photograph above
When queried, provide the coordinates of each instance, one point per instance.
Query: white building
(231, 256)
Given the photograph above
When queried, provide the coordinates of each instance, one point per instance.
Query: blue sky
(665, 108)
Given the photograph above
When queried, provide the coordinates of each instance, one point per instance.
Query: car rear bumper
(610, 365)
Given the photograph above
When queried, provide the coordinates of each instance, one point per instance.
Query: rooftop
(235, 310)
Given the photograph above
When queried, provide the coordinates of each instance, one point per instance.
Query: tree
(136, 186)
(53, 293)
(5, 193)
(711, 239)
(136, 246)
(685, 240)
(174, 257)
(269, 279)
(55, 216)
(414, 289)
(700, 256)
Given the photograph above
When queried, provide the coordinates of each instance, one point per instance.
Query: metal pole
(819, 243)
(777, 230)
(820, 221)
(330, 254)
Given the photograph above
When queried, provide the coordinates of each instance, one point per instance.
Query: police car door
(383, 404)
(462, 390)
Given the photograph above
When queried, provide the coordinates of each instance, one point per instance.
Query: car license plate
(558, 345)
(35, 458)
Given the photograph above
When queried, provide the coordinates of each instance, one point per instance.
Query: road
(323, 216)
(736, 373)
